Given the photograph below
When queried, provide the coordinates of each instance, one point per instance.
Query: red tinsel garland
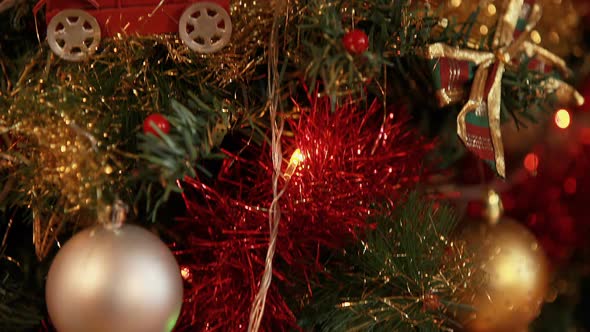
(353, 157)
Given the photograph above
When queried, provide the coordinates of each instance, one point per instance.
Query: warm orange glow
(531, 162)
(562, 119)
(185, 273)
(296, 158)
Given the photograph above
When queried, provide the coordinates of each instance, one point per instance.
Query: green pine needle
(196, 130)
(404, 276)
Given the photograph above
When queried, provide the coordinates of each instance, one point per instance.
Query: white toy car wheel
(73, 34)
(205, 27)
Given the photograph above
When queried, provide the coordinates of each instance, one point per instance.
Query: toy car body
(75, 27)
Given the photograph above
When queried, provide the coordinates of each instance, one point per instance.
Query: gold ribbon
(506, 48)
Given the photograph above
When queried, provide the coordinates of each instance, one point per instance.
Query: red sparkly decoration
(356, 41)
(353, 157)
(157, 119)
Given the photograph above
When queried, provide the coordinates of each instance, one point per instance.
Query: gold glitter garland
(252, 20)
(54, 157)
(68, 122)
(561, 31)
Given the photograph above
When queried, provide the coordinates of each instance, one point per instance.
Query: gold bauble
(513, 277)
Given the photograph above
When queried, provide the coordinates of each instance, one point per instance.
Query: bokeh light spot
(483, 30)
(531, 162)
(536, 37)
(491, 9)
(562, 119)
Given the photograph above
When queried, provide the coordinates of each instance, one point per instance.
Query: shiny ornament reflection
(114, 280)
(513, 273)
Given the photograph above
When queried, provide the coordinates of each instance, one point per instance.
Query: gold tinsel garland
(65, 130)
(55, 152)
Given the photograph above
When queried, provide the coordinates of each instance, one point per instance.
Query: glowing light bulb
(562, 119)
(296, 158)
(185, 272)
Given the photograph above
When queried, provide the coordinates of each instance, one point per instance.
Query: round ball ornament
(355, 41)
(513, 277)
(114, 280)
(157, 120)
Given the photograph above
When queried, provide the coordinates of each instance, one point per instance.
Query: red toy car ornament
(75, 27)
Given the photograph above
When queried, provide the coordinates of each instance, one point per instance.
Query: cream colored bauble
(114, 280)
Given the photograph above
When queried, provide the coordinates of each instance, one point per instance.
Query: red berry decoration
(159, 121)
(356, 41)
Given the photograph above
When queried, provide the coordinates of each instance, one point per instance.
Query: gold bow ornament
(478, 123)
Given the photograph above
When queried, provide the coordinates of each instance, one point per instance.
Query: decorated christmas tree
(294, 165)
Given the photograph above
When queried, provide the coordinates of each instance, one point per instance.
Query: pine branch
(402, 277)
(523, 97)
(392, 67)
(323, 57)
(196, 130)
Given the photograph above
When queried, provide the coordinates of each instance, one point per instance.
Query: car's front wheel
(73, 34)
